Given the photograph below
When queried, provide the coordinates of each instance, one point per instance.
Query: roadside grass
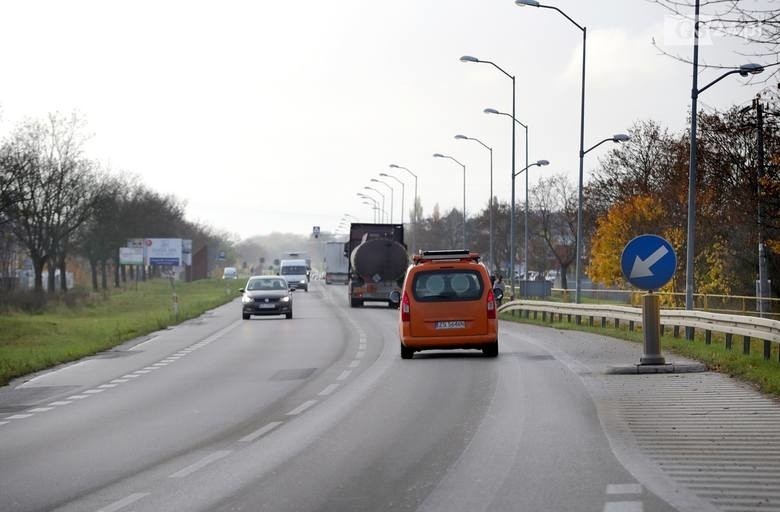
(34, 341)
(764, 374)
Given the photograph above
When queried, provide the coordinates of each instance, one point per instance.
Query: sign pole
(651, 327)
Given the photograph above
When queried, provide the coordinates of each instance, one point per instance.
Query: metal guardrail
(749, 327)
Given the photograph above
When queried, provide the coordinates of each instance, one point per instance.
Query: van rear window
(447, 285)
(293, 270)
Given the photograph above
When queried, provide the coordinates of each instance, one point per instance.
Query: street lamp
(490, 202)
(584, 30)
(368, 197)
(538, 163)
(618, 137)
(512, 206)
(414, 218)
(374, 180)
(469, 58)
(744, 70)
(385, 175)
(439, 155)
(384, 212)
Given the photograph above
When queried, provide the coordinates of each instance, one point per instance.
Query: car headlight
(285, 299)
(247, 299)
(303, 281)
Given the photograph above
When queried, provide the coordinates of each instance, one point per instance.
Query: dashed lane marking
(344, 375)
(301, 408)
(124, 502)
(93, 391)
(61, 402)
(77, 397)
(40, 409)
(260, 432)
(18, 416)
(205, 461)
(354, 364)
(328, 390)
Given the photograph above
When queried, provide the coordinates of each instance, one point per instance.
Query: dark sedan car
(266, 295)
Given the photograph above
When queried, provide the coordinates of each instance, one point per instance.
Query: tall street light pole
(384, 212)
(468, 58)
(391, 195)
(439, 155)
(369, 198)
(385, 175)
(414, 217)
(584, 30)
(512, 206)
(490, 202)
(538, 163)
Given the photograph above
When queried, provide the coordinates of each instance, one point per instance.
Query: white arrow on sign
(641, 267)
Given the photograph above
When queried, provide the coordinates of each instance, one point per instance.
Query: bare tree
(554, 202)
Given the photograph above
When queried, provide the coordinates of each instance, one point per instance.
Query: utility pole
(763, 285)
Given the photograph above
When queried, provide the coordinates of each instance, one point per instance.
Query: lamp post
(618, 137)
(384, 212)
(538, 163)
(369, 198)
(439, 155)
(512, 206)
(374, 180)
(490, 201)
(468, 58)
(744, 70)
(385, 175)
(584, 30)
(414, 218)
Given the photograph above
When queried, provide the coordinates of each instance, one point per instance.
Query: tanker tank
(380, 260)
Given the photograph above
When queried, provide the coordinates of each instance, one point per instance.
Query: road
(320, 413)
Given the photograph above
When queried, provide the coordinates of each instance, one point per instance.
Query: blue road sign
(648, 262)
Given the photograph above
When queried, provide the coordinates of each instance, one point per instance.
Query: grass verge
(34, 341)
(764, 374)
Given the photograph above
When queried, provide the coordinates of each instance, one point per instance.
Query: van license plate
(451, 324)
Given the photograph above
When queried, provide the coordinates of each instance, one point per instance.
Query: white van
(295, 273)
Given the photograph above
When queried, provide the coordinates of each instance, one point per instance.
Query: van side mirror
(395, 297)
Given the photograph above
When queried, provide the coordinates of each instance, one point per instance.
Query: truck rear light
(491, 305)
(405, 316)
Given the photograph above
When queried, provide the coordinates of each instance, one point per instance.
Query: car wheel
(288, 315)
(406, 352)
(356, 303)
(245, 316)
(491, 350)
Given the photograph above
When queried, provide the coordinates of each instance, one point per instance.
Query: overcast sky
(272, 115)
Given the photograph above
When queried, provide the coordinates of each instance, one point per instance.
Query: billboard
(131, 256)
(163, 251)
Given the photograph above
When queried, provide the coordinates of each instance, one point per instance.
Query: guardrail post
(707, 337)
(603, 321)
(578, 319)
(746, 345)
(676, 331)
(631, 323)
(544, 316)
(728, 340)
(661, 329)
(617, 323)
(590, 321)
(651, 326)
(767, 350)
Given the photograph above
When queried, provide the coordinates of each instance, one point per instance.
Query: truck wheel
(406, 352)
(491, 350)
(244, 316)
(356, 303)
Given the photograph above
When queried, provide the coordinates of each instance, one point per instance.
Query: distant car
(266, 295)
(230, 273)
(447, 303)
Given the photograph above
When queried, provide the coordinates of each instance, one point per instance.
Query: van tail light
(491, 305)
(405, 316)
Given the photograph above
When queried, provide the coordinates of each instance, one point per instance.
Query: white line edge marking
(107, 386)
(4, 422)
(93, 391)
(301, 408)
(344, 375)
(119, 381)
(260, 432)
(61, 402)
(328, 390)
(136, 347)
(119, 505)
(624, 506)
(78, 397)
(40, 409)
(205, 461)
(18, 416)
(613, 489)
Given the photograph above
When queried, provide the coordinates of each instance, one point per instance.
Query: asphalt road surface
(319, 413)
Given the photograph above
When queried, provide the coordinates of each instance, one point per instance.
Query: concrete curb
(644, 369)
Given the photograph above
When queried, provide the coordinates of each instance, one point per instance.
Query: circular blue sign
(648, 262)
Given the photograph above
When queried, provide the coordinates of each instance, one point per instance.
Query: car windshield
(443, 285)
(293, 270)
(266, 284)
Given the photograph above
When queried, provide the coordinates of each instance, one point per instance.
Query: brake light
(491, 305)
(405, 316)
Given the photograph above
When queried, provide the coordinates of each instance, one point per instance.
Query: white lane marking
(4, 422)
(624, 489)
(78, 397)
(260, 432)
(344, 375)
(360, 354)
(141, 371)
(328, 390)
(130, 376)
(119, 381)
(362, 346)
(107, 386)
(93, 391)
(160, 364)
(119, 505)
(136, 347)
(205, 461)
(18, 416)
(150, 368)
(301, 408)
(40, 409)
(49, 374)
(623, 506)
(354, 364)
(61, 402)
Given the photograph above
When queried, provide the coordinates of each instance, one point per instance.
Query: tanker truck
(377, 262)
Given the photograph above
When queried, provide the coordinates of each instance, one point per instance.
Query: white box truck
(336, 263)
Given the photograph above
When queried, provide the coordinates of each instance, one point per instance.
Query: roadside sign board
(163, 251)
(137, 243)
(186, 252)
(648, 262)
(131, 256)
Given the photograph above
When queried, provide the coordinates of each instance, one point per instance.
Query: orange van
(447, 302)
